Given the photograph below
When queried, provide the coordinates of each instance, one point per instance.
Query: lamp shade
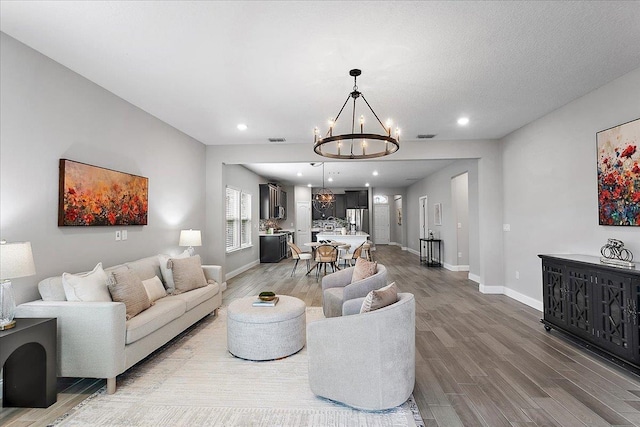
(190, 238)
(16, 260)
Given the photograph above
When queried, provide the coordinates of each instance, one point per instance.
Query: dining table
(314, 246)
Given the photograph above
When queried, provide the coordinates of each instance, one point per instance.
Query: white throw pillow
(91, 286)
(155, 288)
(380, 298)
(167, 274)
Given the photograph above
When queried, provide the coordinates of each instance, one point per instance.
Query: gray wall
(241, 178)
(437, 188)
(550, 184)
(49, 112)
(460, 210)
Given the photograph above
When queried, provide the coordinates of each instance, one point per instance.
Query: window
(238, 206)
(380, 200)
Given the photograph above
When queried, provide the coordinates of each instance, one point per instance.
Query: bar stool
(353, 256)
(342, 251)
(366, 250)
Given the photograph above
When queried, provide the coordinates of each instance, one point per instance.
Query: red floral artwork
(619, 175)
(90, 195)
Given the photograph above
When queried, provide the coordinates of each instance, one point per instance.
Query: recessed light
(242, 126)
(375, 173)
(299, 174)
(367, 184)
(309, 185)
(463, 121)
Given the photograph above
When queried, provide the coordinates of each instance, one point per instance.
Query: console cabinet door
(615, 324)
(578, 301)
(553, 291)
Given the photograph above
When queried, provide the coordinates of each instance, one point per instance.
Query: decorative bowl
(267, 296)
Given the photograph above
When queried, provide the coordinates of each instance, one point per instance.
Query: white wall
(550, 186)
(48, 112)
(460, 209)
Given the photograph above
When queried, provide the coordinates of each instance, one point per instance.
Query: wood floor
(481, 360)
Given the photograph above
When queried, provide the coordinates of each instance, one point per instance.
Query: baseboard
(404, 248)
(531, 302)
(474, 277)
(451, 267)
(493, 290)
(242, 269)
(413, 251)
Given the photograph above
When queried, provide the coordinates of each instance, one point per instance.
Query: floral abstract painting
(91, 195)
(619, 174)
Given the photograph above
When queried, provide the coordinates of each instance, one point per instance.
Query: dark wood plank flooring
(481, 360)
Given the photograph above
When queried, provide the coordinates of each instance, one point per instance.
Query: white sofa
(94, 338)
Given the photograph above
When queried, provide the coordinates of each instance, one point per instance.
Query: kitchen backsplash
(335, 223)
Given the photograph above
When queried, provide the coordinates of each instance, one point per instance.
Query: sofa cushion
(363, 269)
(128, 288)
(91, 286)
(162, 312)
(155, 289)
(187, 274)
(167, 274)
(197, 296)
(333, 301)
(380, 298)
(145, 268)
(51, 289)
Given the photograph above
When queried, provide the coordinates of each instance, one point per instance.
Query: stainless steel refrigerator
(358, 219)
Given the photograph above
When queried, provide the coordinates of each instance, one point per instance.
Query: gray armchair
(367, 360)
(337, 288)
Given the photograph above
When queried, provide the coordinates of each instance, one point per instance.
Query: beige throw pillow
(363, 269)
(127, 287)
(187, 274)
(380, 298)
(167, 275)
(155, 288)
(91, 286)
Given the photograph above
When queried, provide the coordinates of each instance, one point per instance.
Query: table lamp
(16, 260)
(190, 238)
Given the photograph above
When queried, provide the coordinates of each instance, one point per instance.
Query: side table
(433, 252)
(28, 354)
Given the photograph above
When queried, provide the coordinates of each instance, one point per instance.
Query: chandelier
(324, 198)
(356, 145)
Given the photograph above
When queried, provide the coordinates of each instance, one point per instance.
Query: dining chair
(342, 251)
(297, 254)
(326, 254)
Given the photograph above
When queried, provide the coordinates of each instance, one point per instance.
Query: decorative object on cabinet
(190, 238)
(16, 260)
(614, 253)
(619, 174)
(323, 198)
(356, 145)
(594, 302)
(437, 214)
(91, 195)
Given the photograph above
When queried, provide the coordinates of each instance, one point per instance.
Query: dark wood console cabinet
(594, 302)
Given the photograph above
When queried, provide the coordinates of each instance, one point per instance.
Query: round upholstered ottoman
(266, 333)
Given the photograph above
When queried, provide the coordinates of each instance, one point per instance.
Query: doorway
(303, 224)
(424, 217)
(381, 221)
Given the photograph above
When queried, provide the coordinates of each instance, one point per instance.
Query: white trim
(404, 248)
(413, 251)
(456, 267)
(474, 277)
(242, 269)
(493, 290)
(531, 302)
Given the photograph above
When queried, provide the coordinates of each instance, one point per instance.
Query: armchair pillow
(364, 269)
(380, 298)
(127, 287)
(91, 286)
(187, 274)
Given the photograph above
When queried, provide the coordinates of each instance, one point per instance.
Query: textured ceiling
(282, 67)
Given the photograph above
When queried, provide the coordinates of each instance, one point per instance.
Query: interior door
(381, 228)
(303, 225)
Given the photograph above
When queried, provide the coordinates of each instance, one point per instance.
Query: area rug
(194, 381)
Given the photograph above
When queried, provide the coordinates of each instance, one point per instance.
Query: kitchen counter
(354, 239)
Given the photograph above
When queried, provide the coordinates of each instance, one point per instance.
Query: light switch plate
(124, 234)
(118, 235)
(506, 227)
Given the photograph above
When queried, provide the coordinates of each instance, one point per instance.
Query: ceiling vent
(277, 140)
(426, 136)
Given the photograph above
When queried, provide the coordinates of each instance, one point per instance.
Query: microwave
(280, 212)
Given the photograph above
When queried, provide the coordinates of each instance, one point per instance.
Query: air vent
(276, 140)
(426, 136)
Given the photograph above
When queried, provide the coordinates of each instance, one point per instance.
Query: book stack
(264, 303)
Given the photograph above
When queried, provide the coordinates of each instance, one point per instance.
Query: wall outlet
(517, 275)
(124, 234)
(118, 235)
(459, 225)
(459, 254)
(506, 227)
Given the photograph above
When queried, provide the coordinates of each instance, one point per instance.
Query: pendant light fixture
(356, 145)
(324, 198)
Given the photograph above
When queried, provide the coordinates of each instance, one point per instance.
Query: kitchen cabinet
(273, 202)
(593, 302)
(323, 213)
(273, 247)
(357, 199)
(340, 208)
